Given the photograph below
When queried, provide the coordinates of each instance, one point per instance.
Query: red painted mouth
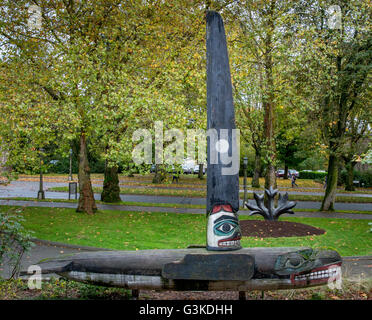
(319, 275)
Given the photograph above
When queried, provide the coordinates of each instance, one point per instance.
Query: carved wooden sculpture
(223, 231)
(211, 267)
(200, 269)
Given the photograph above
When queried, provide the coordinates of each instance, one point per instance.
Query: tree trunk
(201, 174)
(257, 170)
(349, 185)
(86, 203)
(160, 174)
(332, 177)
(285, 171)
(111, 188)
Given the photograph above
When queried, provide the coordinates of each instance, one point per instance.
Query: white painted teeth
(229, 243)
(323, 274)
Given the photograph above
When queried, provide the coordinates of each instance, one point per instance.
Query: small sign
(72, 189)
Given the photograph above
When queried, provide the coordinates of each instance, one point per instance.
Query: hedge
(312, 175)
(364, 177)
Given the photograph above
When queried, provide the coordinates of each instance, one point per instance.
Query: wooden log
(151, 262)
(147, 269)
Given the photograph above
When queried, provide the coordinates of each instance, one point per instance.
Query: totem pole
(223, 231)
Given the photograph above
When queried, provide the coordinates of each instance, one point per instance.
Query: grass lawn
(202, 194)
(189, 180)
(150, 230)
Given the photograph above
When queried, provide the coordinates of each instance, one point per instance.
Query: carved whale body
(200, 269)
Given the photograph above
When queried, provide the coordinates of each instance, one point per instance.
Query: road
(29, 189)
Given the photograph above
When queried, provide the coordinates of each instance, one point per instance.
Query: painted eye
(295, 261)
(225, 228)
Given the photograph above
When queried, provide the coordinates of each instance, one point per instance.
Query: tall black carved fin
(221, 188)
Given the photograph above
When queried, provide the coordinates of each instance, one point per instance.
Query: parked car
(188, 166)
(280, 173)
(196, 169)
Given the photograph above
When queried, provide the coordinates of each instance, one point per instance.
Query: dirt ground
(275, 229)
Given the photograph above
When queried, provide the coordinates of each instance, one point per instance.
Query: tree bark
(332, 177)
(257, 170)
(160, 174)
(111, 188)
(285, 171)
(201, 174)
(349, 185)
(86, 203)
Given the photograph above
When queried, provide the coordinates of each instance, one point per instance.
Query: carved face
(309, 266)
(223, 230)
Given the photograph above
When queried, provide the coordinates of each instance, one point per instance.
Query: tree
(336, 63)
(292, 132)
(250, 121)
(64, 66)
(264, 52)
(357, 136)
(99, 66)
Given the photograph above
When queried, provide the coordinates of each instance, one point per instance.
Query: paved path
(35, 255)
(180, 200)
(29, 189)
(352, 267)
(24, 203)
(32, 187)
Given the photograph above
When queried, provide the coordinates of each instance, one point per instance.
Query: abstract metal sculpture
(271, 213)
(223, 231)
(210, 267)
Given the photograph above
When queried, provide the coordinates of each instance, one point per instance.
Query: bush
(364, 177)
(14, 240)
(63, 166)
(313, 175)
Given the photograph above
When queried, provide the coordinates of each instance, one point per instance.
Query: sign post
(72, 189)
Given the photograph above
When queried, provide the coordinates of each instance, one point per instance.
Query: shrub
(14, 240)
(364, 177)
(313, 175)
